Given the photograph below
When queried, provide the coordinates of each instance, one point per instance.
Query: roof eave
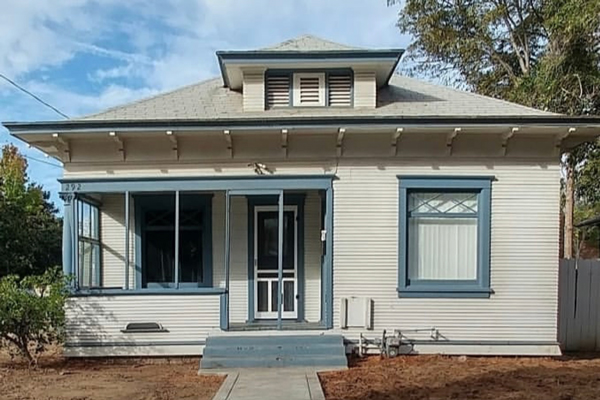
(266, 57)
(25, 128)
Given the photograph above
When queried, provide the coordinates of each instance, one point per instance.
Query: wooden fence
(579, 305)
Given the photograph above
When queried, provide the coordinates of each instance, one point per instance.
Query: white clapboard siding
(312, 257)
(98, 320)
(238, 281)
(339, 90)
(112, 237)
(365, 89)
(254, 91)
(278, 91)
(524, 240)
(524, 250)
(309, 89)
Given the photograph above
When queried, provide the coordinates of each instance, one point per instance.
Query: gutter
(392, 122)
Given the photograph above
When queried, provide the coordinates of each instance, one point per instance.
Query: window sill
(141, 292)
(435, 293)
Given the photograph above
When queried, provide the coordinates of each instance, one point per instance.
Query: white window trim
(296, 89)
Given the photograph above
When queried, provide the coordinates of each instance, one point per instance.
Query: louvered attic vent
(340, 90)
(278, 91)
(308, 89)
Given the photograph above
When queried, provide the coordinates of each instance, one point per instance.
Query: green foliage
(539, 53)
(32, 312)
(588, 234)
(30, 231)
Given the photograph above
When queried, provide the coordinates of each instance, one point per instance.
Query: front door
(266, 239)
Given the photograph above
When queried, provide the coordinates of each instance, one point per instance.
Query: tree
(539, 53)
(32, 312)
(30, 231)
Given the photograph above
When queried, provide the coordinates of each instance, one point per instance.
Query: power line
(42, 161)
(27, 92)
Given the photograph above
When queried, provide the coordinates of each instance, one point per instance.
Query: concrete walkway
(271, 384)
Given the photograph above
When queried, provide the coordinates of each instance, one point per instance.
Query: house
(311, 193)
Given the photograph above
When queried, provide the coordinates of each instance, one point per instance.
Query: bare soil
(57, 378)
(440, 377)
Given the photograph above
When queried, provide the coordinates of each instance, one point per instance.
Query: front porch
(262, 244)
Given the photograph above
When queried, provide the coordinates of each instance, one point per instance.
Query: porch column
(126, 240)
(328, 275)
(280, 263)
(225, 296)
(177, 239)
(68, 233)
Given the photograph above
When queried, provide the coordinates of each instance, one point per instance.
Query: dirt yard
(438, 377)
(60, 379)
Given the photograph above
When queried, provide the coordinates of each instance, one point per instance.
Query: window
(444, 231)
(308, 89)
(88, 233)
(157, 230)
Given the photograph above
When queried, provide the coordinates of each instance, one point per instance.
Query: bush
(32, 313)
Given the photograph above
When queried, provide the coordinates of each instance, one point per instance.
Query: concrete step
(333, 362)
(274, 351)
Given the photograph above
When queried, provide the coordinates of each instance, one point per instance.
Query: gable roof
(309, 43)
(403, 97)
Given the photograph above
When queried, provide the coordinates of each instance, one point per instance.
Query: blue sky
(83, 56)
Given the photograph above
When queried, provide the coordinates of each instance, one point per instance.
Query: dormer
(308, 72)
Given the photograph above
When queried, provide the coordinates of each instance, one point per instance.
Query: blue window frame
(89, 273)
(444, 236)
(155, 241)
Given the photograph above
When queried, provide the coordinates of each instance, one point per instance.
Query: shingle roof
(403, 97)
(308, 43)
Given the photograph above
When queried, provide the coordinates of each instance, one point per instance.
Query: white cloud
(149, 46)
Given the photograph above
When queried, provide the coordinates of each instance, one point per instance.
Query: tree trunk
(569, 207)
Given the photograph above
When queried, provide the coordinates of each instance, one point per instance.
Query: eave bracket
(340, 141)
(63, 146)
(120, 144)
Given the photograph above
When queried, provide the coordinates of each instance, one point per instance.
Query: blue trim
(67, 239)
(427, 294)
(127, 244)
(263, 58)
(148, 202)
(171, 184)
(280, 260)
(224, 311)
(290, 199)
(391, 122)
(260, 55)
(328, 305)
(148, 292)
(449, 288)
